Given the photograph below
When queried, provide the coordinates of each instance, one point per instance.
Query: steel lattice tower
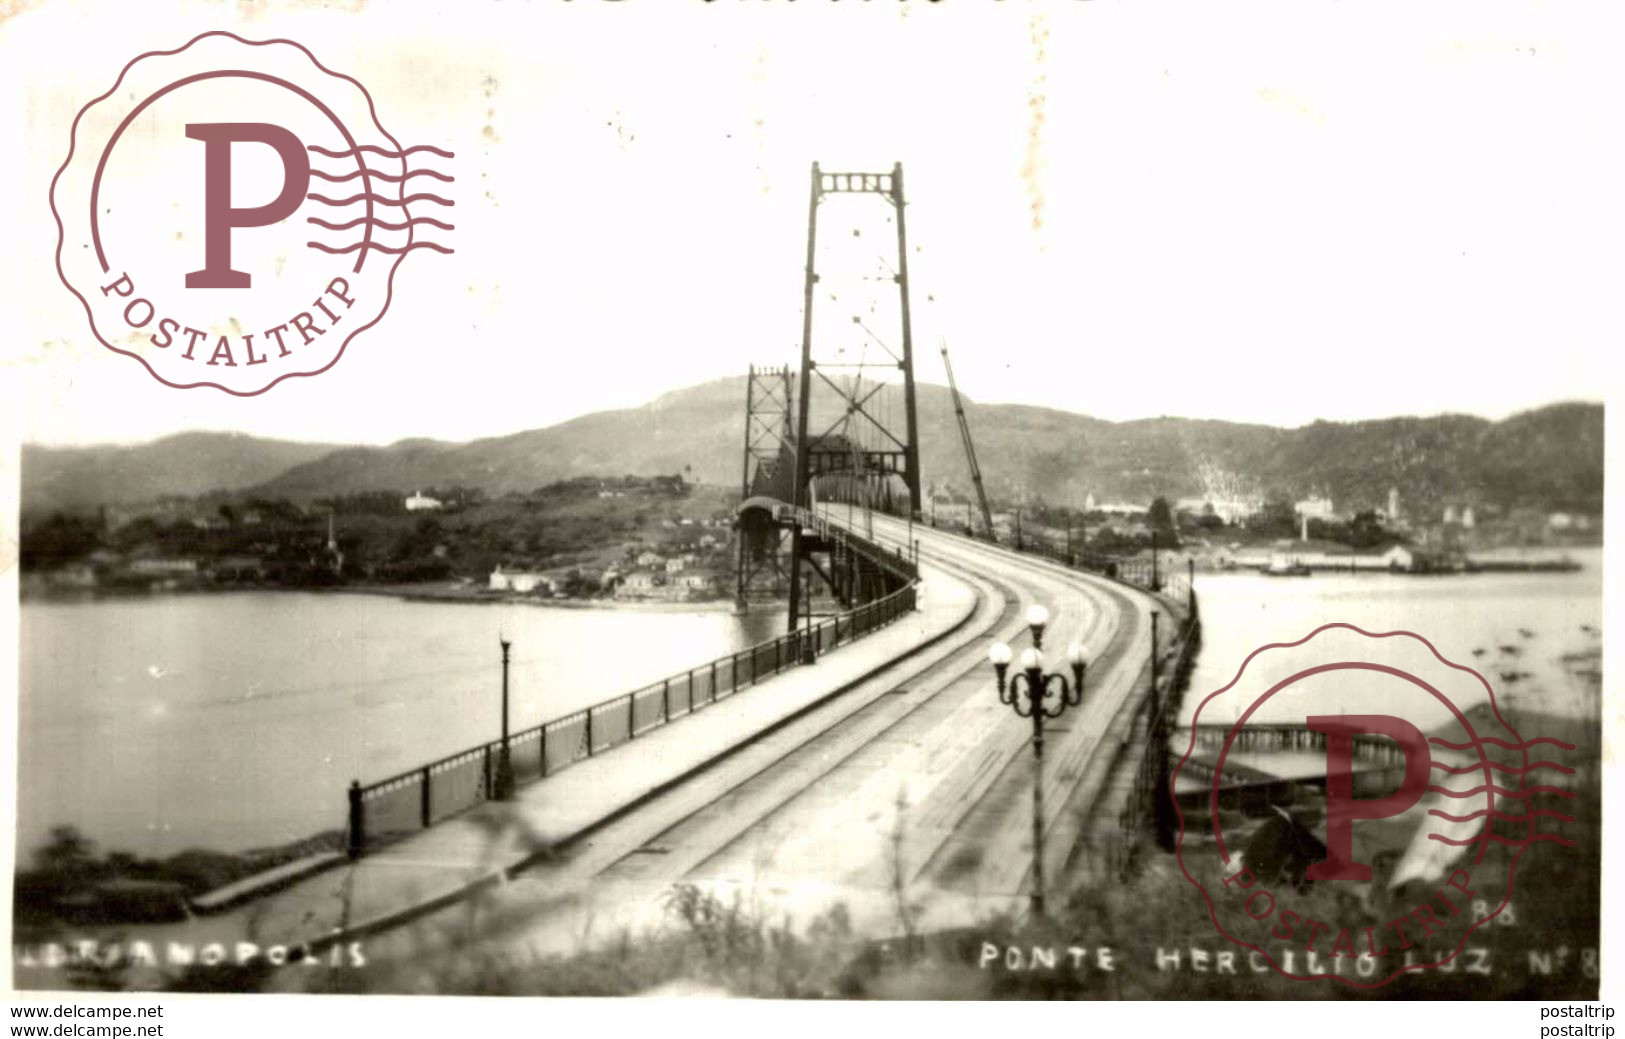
(863, 440)
(768, 472)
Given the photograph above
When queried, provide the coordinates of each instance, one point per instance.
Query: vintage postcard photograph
(814, 500)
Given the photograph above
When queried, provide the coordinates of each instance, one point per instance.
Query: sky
(1264, 212)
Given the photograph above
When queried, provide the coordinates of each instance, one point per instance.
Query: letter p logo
(1342, 808)
(220, 216)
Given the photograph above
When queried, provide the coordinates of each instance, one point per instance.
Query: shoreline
(441, 591)
(434, 592)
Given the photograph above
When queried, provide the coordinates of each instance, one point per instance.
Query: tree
(68, 854)
(1278, 518)
(1161, 518)
(59, 540)
(1366, 530)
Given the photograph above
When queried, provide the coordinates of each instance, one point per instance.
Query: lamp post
(503, 782)
(1033, 694)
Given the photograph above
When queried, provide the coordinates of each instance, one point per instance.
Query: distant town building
(1315, 508)
(1231, 510)
(1449, 514)
(1468, 520)
(648, 558)
(1569, 521)
(640, 584)
(700, 584)
(335, 557)
(420, 502)
(523, 581)
(1318, 554)
(238, 568)
(159, 567)
(74, 575)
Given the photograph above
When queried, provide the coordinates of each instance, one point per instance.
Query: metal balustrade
(403, 804)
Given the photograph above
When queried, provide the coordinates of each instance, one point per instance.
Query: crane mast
(970, 447)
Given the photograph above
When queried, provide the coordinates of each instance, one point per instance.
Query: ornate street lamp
(1037, 621)
(1033, 694)
(503, 781)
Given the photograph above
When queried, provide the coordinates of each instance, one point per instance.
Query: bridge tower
(856, 354)
(769, 471)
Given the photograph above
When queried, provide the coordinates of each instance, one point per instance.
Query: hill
(186, 464)
(1549, 458)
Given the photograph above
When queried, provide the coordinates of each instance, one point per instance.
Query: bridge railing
(1153, 573)
(416, 799)
(1151, 801)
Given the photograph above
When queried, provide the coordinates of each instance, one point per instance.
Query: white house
(523, 581)
(1324, 555)
(698, 584)
(420, 502)
(1315, 508)
(641, 584)
(1231, 511)
(1398, 557)
(163, 567)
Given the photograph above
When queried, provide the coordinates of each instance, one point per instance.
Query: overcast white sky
(1270, 212)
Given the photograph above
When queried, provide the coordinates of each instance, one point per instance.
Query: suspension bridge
(862, 753)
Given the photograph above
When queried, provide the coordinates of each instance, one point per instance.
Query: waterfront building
(160, 567)
(1320, 554)
(641, 584)
(523, 581)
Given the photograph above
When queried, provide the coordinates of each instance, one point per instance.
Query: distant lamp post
(1037, 621)
(503, 783)
(1033, 694)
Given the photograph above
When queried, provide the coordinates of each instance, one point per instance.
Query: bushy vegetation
(71, 884)
(583, 521)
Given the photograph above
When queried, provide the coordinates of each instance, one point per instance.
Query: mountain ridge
(1549, 457)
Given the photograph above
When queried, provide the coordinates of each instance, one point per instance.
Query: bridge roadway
(915, 779)
(888, 764)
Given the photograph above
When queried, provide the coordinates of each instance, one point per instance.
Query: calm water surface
(1457, 613)
(236, 720)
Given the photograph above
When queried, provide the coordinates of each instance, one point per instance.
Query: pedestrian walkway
(486, 844)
